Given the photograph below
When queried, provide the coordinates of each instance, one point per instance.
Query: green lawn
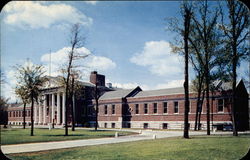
(15, 136)
(196, 148)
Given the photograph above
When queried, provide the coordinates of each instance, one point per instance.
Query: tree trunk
(186, 127)
(187, 17)
(96, 111)
(31, 116)
(200, 110)
(207, 105)
(198, 101)
(24, 110)
(235, 132)
(73, 106)
(66, 112)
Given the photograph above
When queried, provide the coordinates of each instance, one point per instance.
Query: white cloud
(99, 63)
(158, 57)
(38, 15)
(170, 84)
(129, 85)
(88, 64)
(91, 2)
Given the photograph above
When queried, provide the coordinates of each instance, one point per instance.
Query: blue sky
(128, 41)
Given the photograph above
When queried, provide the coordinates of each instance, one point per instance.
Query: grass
(18, 135)
(198, 148)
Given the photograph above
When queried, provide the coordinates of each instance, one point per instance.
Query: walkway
(145, 135)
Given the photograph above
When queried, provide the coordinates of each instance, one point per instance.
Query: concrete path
(144, 135)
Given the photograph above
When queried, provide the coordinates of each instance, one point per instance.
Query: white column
(63, 108)
(58, 121)
(44, 109)
(53, 107)
(40, 113)
(35, 113)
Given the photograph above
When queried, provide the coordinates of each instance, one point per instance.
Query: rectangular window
(165, 107)
(145, 125)
(176, 107)
(14, 114)
(105, 125)
(136, 108)
(113, 125)
(164, 126)
(105, 109)
(220, 105)
(113, 109)
(145, 108)
(155, 107)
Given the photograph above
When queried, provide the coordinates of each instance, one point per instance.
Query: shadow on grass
(62, 135)
(99, 130)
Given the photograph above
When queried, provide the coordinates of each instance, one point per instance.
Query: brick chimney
(94, 76)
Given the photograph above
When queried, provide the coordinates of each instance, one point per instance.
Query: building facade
(133, 108)
(164, 108)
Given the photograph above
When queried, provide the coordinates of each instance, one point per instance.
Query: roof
(160, 92)
(121, 93)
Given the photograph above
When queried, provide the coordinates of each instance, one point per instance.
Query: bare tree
(31, 78)
(76, 41)
(204, 39)
(237, 43)
(187, 14)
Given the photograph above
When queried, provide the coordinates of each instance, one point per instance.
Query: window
(128, 125)
(105, 125)
(155, 107)
(113, 109)
(176, 107)
(145, 125)
(164, 126)
(145, 108)
(14, 114)
(220, 105)
(113, 125)
(165, 107)
(28, 113)
(105, 109)
(136, 108)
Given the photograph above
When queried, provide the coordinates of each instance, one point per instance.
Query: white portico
(51, 105)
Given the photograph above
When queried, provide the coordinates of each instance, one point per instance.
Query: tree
(237, 44)
(3, 112)
(3, 105)
(182, 47)
(204, 39)
(187, 14)
(31, 78)
(76, 41)
(23, 94)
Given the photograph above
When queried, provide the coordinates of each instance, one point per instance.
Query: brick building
(164, 108)
(134, 108)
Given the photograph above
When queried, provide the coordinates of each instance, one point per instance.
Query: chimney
(94, 76)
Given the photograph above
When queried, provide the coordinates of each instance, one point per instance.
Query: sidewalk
(145, 135)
